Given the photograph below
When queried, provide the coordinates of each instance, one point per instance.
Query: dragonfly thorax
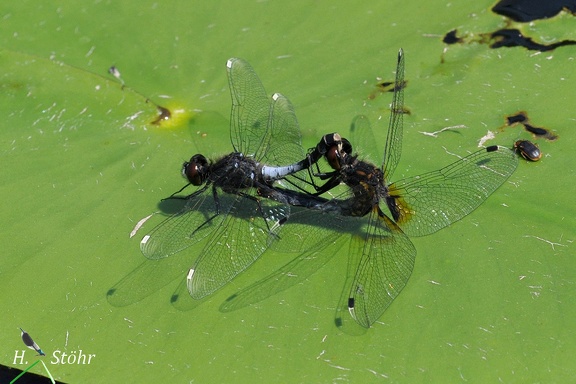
(234, 172)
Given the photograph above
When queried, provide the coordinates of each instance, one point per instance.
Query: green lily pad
(489, 298)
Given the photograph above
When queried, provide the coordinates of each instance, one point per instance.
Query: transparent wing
(250, 108)
(148, 278)
(243, 236)
(393, 148)
(383, 270)
(381, 255)
(434, 200)
(256, 128)
(362, 137)
(285, 144)
(185, 228)
(313, 236)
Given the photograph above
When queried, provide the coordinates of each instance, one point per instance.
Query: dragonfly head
(338, 150)
(195, 170)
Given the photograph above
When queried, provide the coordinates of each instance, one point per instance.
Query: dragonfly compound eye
(194, 170)
(334, 157)
(346, 147)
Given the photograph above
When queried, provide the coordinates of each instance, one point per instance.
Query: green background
(490, 298)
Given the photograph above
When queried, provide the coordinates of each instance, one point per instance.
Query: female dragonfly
(381, 254)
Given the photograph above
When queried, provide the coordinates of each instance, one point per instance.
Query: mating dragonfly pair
(244, 200)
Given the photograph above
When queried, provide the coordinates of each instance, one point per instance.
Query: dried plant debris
(518, 11)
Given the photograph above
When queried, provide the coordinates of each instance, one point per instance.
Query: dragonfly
(227, 205)
(383, 256)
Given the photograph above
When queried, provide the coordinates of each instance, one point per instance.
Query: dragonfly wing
(243, 236)
(250, 108)
(185, 228)
(285, 144)
(362, 137)
(386, 262)
(393, 148)
(284, 147)
(314, 245)
(432, 201)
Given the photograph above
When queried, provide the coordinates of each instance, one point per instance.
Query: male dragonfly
(226, 206)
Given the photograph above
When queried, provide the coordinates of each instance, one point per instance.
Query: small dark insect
(30, 343)
(528, 150)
